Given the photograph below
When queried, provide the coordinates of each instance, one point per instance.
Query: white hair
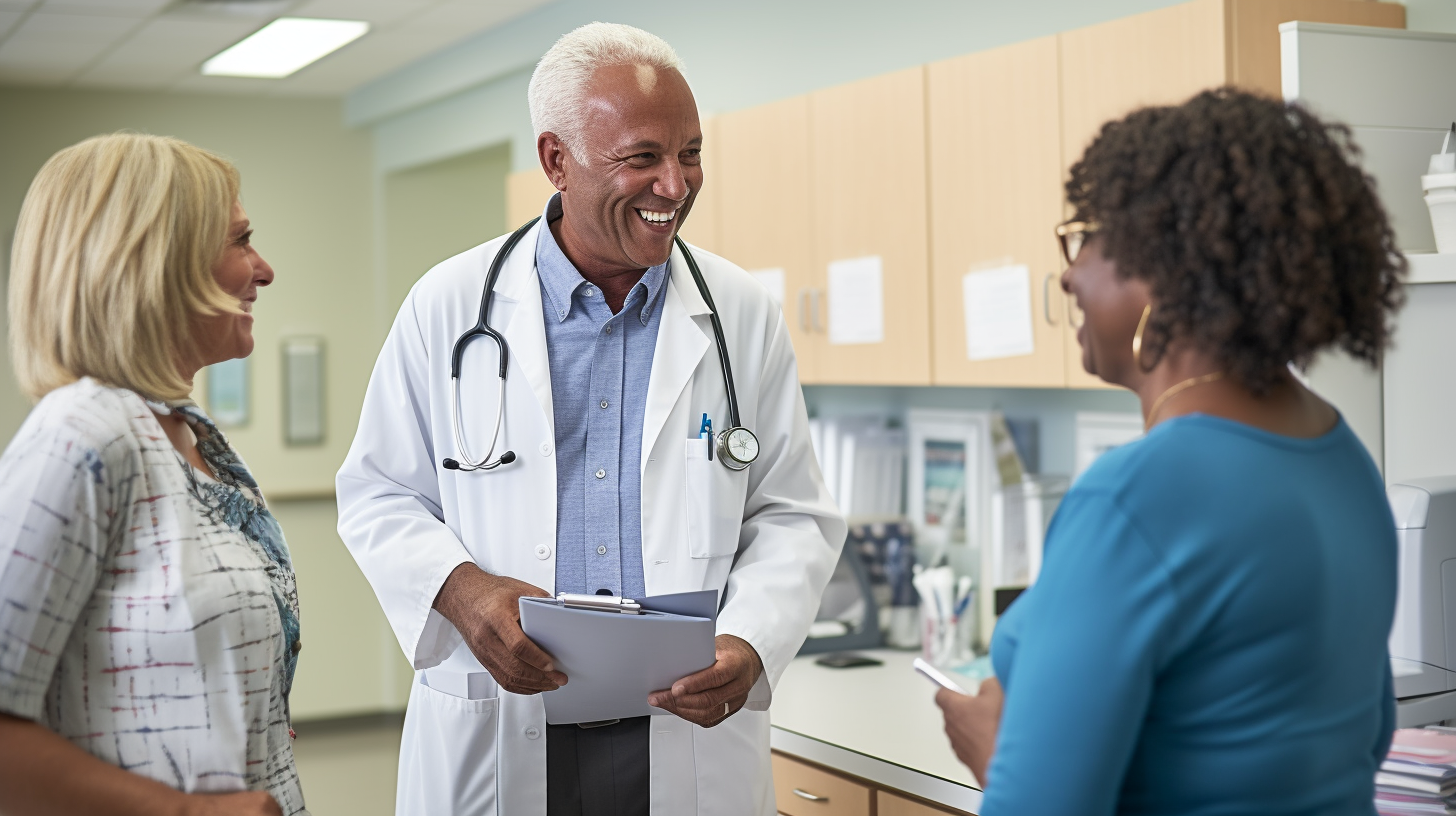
(557, 94)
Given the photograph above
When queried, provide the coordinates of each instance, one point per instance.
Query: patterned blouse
(147, 611)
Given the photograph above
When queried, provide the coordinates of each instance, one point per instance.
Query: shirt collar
(560, 278)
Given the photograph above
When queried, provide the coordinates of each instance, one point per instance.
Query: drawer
(804, 790)
(888, 804)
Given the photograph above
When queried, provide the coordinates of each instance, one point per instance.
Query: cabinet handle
(1046, 298)
(802, 794)
(803, 312)
(814, 299)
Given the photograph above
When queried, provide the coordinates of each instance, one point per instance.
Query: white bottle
(1440, 186)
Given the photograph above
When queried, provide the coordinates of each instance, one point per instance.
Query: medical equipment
(737, 446)
(1423, 635)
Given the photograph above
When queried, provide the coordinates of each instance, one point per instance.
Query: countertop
(876, 722)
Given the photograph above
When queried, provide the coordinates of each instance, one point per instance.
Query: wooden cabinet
(867, 153)
(764, 209)
(995, 194)
(801, 789)
(889, 804)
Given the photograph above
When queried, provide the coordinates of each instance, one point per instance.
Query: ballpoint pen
(705, 431)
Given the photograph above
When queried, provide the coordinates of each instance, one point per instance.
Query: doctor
(612, 365)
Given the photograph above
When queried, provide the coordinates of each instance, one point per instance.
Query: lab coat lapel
(525, 328)
(681, 342)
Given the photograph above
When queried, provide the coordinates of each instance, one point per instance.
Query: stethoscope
(737, 446)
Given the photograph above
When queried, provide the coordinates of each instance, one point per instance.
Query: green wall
(307, 185)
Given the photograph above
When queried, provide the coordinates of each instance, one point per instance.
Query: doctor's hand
(700, 698)
(484, 609)
(971, 722)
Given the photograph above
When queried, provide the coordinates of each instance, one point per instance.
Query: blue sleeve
(1091, 642)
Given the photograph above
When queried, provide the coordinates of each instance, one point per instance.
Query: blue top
(600, 365)
(1207, 634)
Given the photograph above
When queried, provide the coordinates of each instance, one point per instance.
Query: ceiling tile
(372, 56)
(53, 47)
(110, 8)
(164, 50)
(378, 13)
(469, 16)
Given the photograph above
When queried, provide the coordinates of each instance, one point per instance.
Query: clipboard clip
(599, 603)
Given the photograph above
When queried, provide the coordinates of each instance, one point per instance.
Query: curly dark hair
(1250, 219)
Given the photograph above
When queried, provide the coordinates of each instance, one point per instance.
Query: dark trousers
(599, 771)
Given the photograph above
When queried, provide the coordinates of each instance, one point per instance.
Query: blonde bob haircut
(112, 263)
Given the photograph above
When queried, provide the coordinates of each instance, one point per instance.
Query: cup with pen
(947, 605)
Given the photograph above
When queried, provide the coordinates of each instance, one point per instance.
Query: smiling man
(610, 360)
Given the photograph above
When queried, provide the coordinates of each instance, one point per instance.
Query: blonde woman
(148, 617)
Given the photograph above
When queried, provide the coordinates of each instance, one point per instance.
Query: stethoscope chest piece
(737, 448)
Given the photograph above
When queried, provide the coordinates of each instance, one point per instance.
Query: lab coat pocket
(714, 503)
(453, 769)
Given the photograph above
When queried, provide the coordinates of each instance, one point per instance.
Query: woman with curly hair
(1208, 632)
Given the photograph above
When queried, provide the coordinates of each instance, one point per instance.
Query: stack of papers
(1418, 776)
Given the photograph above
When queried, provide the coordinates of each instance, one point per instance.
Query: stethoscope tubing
(482, 328)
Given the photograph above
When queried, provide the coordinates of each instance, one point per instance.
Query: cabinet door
(764, 209)
(995, 196)
(527, 192)
(868, 158)
(1253, 31)
(889, 804)
(1108, 70)
(702, 227)
(801, 789)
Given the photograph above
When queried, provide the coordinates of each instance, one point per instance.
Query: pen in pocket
(705, 432)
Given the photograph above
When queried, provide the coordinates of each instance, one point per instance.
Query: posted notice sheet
(856, 301)
(998, 312)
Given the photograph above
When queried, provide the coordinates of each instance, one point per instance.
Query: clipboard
(613, 660)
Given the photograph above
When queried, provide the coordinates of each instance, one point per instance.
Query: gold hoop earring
(1137, 338)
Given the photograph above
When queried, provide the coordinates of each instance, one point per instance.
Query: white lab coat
(767, 538)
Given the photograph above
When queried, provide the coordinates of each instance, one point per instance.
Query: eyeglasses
(1073, 235)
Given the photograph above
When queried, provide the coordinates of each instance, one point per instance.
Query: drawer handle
(802, 794)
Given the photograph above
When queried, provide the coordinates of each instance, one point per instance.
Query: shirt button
(543, 552)
(602, 549)
(601, 474)
(604, 403)
(609, 330)
(588, 291)
(545, 448)
(532, 732)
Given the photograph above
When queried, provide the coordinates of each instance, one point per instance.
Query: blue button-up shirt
(600, 365)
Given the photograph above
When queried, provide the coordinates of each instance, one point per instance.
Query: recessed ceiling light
(284, 46)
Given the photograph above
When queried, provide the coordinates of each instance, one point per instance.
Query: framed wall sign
(303, 391)
(228, 395)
